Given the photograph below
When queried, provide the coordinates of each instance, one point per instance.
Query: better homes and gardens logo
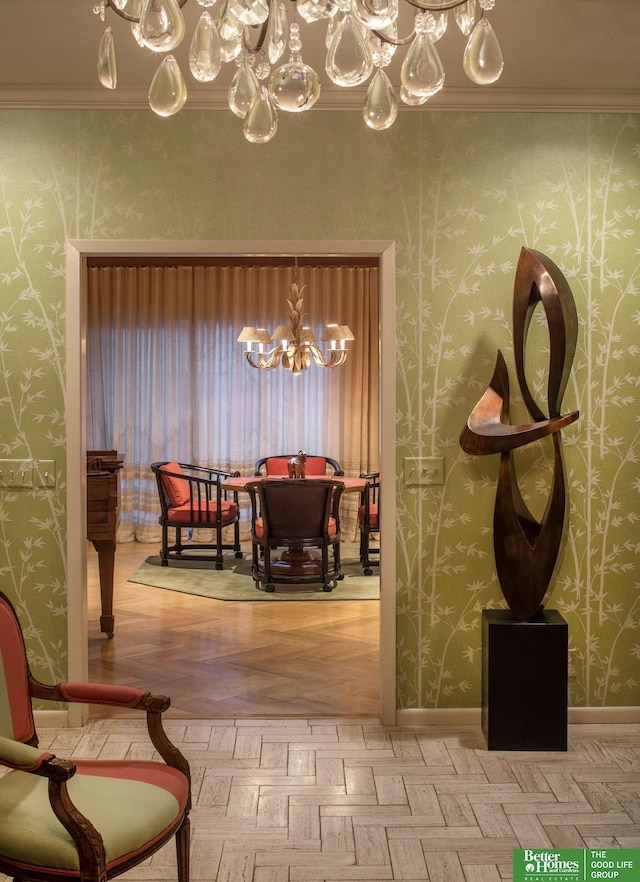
(575, 864)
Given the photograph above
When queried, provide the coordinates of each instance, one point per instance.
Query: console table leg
(106, 549)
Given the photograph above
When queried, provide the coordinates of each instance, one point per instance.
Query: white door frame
(78, 250)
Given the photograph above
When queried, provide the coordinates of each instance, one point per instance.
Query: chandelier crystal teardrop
(361, 38)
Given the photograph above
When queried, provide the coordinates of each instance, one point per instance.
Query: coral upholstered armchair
(81, 820)
(192, 497)
(300, 515)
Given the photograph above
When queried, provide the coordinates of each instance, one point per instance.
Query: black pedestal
(524, 681)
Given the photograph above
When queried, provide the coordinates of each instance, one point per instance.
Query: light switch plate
(44, 472)
(423, 470)
(16, 473)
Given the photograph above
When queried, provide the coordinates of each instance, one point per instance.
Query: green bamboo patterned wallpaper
(460, 194)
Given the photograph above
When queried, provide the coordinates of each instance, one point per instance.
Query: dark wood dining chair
(296, 515)
(369, 522)
(276, 466)
(191, 497)
(82, 820)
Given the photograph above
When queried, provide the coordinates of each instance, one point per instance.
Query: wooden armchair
(295, 514)
(81, 820)
(369, 521)
(191, 497)
(276, 466)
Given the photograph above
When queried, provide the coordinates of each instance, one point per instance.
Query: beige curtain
(167, 379)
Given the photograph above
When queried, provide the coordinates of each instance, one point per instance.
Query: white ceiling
(558, 54)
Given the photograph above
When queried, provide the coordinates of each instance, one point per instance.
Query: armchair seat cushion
(131, 803)
(204, 513)
(373, 516)
(259, 528)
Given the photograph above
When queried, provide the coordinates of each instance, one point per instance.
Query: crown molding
(331, 98)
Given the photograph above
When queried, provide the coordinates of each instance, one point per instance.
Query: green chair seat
(138, 803)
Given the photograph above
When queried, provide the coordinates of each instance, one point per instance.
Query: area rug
(235, 582)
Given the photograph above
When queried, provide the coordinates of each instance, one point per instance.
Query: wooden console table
(102, 518)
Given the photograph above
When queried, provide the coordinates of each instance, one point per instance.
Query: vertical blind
(167, 380)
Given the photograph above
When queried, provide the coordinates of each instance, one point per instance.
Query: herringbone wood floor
(347, 800)
(229, 659)
(337, 798)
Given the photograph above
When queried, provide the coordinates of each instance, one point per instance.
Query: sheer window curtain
(166, 378)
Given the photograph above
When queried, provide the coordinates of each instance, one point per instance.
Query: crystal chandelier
(361, 37)
(295, 344)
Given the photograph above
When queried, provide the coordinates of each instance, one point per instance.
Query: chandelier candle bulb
(361, 39)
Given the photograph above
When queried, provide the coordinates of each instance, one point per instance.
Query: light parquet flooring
(293, 797)
(229, 659)
(347, 800)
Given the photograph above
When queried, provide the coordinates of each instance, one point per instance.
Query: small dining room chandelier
(294, 345)
(362, 37)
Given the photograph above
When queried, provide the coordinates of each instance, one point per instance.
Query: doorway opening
(79, 253)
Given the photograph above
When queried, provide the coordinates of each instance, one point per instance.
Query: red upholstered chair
(191, 497)
(297, 515)
(275, 466)
(369, 521)
(81, 820)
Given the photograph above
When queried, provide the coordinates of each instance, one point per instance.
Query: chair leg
(337, 560)
(164, 554)
(219, 558)
(364, 553)
(182, 849)
(269, 587)
(255, 559)
(236, 540)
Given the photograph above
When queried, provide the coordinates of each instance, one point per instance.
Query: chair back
(181, 484)
(370, 495)
(16, 715)
(296, 511)
(278, 466)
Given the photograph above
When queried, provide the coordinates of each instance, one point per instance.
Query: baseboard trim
(51, 719)
(440, 716)
(454, 716)
(604, 714)
(471, 716)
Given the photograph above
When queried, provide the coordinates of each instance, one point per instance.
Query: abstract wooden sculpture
(526, 550)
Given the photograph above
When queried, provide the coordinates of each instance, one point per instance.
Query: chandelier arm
(400, 41)
(341, 358)
(134, 19)
(266, 361)
(436, 7)
(335, 359)
(317, 355)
